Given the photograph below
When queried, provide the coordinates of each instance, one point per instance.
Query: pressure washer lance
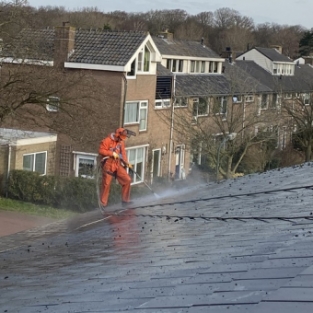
(131, 169)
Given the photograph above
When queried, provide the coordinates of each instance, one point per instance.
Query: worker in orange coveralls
(112, 151)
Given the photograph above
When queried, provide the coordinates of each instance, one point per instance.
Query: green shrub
(71, 193)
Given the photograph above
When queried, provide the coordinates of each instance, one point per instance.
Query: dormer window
(143, 61)
(174, 65)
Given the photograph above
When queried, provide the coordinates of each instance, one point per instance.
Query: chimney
(167, 35)
(278, 48)
(63, 44)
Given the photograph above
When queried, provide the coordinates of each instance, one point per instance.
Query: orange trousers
(123, 179)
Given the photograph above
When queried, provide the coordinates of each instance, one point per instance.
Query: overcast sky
(289, 12)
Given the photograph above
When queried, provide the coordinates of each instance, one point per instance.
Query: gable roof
(186, 48)
(301, 81)
(201, 85)
(91, 46)
(273, 54)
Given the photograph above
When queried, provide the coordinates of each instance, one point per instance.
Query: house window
(288, 96)
(180, 65)
(264, 103)
(161, 104)
(136, 157)
(200, 107)
(220, 105)
(132, 69)
(143, 61)
(53, 104)
(35, 162)
(237, 99)
(174, 65)
(136, 113)
(202, 66)
(192, 66)
(84, 165)
(306, 98)
(197, 67)
(181, 102)
(274, 100)
(249, 98)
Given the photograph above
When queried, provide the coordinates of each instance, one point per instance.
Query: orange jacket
(109, 145)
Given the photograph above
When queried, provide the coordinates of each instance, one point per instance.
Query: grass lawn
(33, 209)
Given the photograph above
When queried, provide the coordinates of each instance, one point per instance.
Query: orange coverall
(113, 168)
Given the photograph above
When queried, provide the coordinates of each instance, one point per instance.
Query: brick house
(124, 65)
(211, 89)
(33, 151)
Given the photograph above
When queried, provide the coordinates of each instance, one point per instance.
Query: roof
(201, 85)
(243, 245)
(273, 54)
(163, 71)
(185, 48)
(91, 46)
(301, 81)
(17, 136)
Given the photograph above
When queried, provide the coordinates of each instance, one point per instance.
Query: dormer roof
(183, 48)
(273, 55)
(96, 47)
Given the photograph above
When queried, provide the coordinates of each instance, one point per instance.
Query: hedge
(72, 193)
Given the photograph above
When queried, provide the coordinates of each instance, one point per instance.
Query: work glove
(115, 155)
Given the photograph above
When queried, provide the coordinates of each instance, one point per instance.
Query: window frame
(140, 106)
(162, 104)
(249, 98)
(197, 101)
(142, 61)
(34, 154)
(53, 107)
(86, 156)
(180, 100)
(141, 172)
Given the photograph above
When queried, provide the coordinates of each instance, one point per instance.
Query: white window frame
(263, 106)
(288, 95)
(249, 98)
(33, 169)
(197, 101)
(192, 66)
(178, 102)
(55, 106)
(306, 98)
(140, 107)
(136, 179)
(221, 103)
(86, 156)
(162, 103)
(141, 60)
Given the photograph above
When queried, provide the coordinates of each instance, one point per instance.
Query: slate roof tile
(188, 48)
(94, 47)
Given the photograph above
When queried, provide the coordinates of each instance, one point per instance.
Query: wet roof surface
(243, 245)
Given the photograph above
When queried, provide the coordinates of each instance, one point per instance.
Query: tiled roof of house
(243, 245)
(91, 47)
(273, 54)
(234, 80)
(183, 48)
(163, 71)
(110, 48)
(201, 85)
(300, 82)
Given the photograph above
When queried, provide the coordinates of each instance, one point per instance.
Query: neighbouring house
(125, 91)
(26, 150)
(211, 90)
